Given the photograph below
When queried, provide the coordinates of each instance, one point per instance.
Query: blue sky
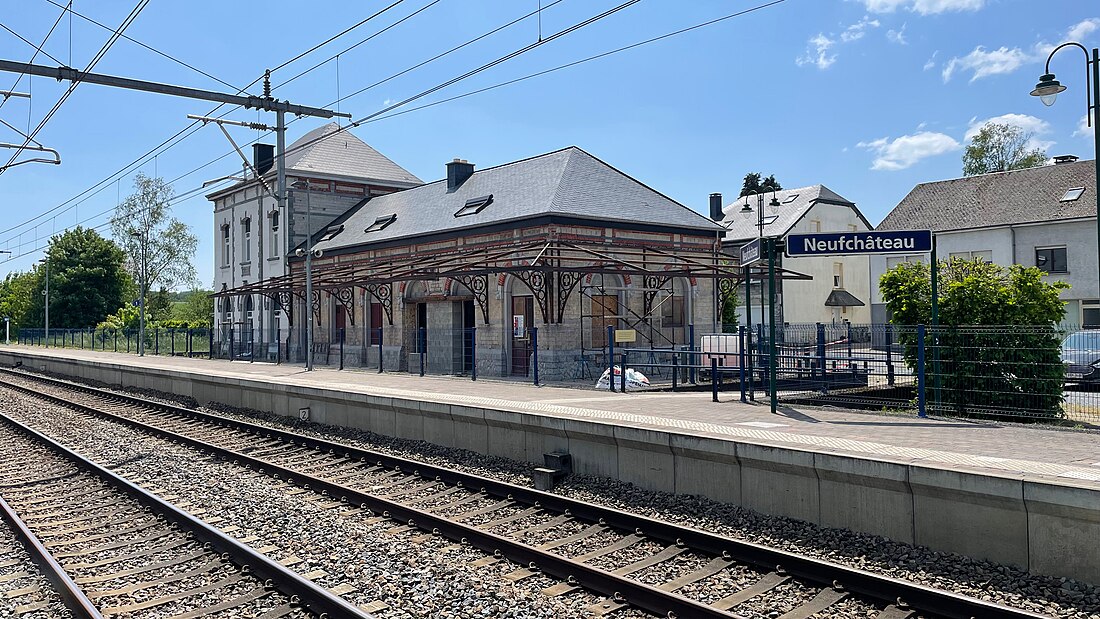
(869, 97)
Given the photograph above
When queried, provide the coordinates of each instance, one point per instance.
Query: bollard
(116, 339)
(921, 412)
(611, 357)
(172, 334)
(342, 334)
(714, 379)
(535, 354)
(622, 374)
(752, 364)
(210, 337)
(423, 345)
(741, 360)
(691, 349)
(890, 355)
(380, 332)
(675, 369)
(473, 353)
(156, 340)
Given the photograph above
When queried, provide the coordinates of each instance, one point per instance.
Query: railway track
(625, 557)
(110, 548)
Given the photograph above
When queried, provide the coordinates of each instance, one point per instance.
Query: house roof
(778, 220)
(999, 198)
(569, 183)
(341, 154)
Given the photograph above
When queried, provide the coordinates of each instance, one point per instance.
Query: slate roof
(996, 199)
(343, 154)
(568, 182)
(743, 225)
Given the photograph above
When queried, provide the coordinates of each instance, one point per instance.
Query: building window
(852, 228)
(274, 233)
(375, 324)
(225, 245)
(1052, 259)
(1072, 194)
(672, 312)
(893, 261)
(246, 240)
(838, 275)
(1090, 314)
(474, 206)
(380, 223)
(815, 224)
(985, 255)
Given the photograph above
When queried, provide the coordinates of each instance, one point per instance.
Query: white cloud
(897, 36)
(388, 102)
(907, 150)
(924, 7)
(1083, 29)
(819, 55)
(856, 31)
(984, 63)
(1029, 124)
(1083, 128)
(931, 62)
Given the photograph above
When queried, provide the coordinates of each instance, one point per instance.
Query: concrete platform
(1026, 496)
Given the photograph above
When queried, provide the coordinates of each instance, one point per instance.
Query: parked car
(1081, 354)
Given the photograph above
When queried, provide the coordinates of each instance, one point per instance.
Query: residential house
(1043, 217)
(837, 289)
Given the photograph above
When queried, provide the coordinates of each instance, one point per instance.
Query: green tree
(195, 307)
(158, 304)
(144, 221)
(17, 298)
(998, 343)
(88, 280)
(754, 184)
(1000, 147)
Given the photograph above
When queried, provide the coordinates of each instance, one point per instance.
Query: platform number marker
(303, 413)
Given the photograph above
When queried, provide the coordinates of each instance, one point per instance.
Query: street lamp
(140, 236)
(1047, 90)
(308, 253)
(46, 293)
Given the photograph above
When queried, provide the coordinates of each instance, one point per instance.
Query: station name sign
(751, 252)
(850, 243)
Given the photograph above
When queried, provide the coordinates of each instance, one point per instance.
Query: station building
(252, 237)
(484, 266)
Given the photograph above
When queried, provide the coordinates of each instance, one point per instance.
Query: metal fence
(158, 341)
(1020, 373)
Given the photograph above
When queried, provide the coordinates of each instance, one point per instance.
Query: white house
(1043, 216)
(839, 290)
(253, 238)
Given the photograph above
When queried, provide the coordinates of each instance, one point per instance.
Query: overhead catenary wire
(72, 87)
(193, 128)
(37, 50)
(141, 44)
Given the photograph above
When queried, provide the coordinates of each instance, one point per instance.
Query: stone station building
(484, 266)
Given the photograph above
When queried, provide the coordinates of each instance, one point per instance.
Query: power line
(193, 128)
(72, 87)
(38, 49)
(335, 36)
(148, 47)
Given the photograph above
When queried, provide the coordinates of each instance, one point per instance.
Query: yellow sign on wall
(625, 335)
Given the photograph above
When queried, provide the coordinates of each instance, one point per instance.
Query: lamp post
(308, 253)
(1047, 90)
(140, 236)
(46, 293)
(767, 245)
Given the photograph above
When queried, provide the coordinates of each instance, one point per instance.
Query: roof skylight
(331, 232)
(381, 222)
(474, 205)
(790, 198)
(1072, 194)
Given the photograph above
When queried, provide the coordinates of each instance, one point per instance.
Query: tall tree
(145, 220)
(88, 278)
(1000, 147)
(18, 297)
(196, 306)
(754, 184)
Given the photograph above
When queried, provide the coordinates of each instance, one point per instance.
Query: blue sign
(751, 252)
(853, 243)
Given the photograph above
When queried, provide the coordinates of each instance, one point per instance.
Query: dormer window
(1072, 194)
(332, 231)
(381, 223)
(475, 205)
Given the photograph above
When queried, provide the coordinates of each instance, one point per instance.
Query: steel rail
(314, 598)
(884, 589)
(70, 592)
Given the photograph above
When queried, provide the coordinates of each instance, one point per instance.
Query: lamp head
(299, 252)
(774, 202)
(746, 208)
(1047, 89)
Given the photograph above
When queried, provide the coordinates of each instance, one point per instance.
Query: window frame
(1052, 261)
(246, 240)
(381, 223)
(227, 246)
